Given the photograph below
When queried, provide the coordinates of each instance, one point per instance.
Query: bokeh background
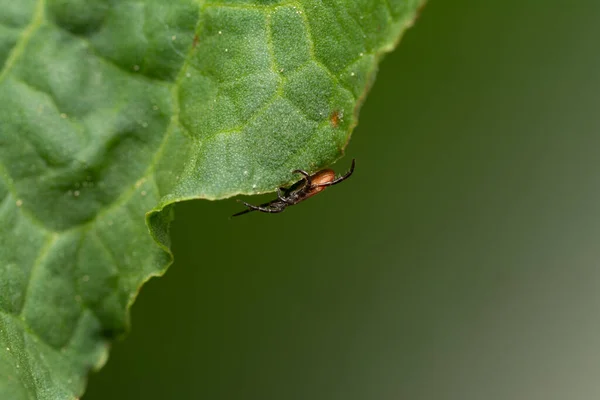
(461, 261)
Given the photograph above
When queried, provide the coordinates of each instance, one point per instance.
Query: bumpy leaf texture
(116, 109)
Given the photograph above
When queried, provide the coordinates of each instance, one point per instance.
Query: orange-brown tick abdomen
(323, 176)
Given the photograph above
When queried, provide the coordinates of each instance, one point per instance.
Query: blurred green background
(461, 261)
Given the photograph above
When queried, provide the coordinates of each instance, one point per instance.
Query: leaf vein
(43, 253)
(314, 55)
(18, 49)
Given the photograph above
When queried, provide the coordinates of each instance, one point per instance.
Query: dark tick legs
(296, 193)
(281, 196)
(306, 176)
(266, 208)
(242, 212)
(341, 178)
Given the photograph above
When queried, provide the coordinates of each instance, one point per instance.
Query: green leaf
(114, 109)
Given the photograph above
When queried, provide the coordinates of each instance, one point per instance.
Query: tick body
(307, 187)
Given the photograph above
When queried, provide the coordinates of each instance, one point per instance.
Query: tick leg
(281, 196)
(301, 171)
(242, 212)
(341, 178)
(306, 175)
(271, 210)
(266, 208)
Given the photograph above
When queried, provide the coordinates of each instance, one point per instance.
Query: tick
(307, 187)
